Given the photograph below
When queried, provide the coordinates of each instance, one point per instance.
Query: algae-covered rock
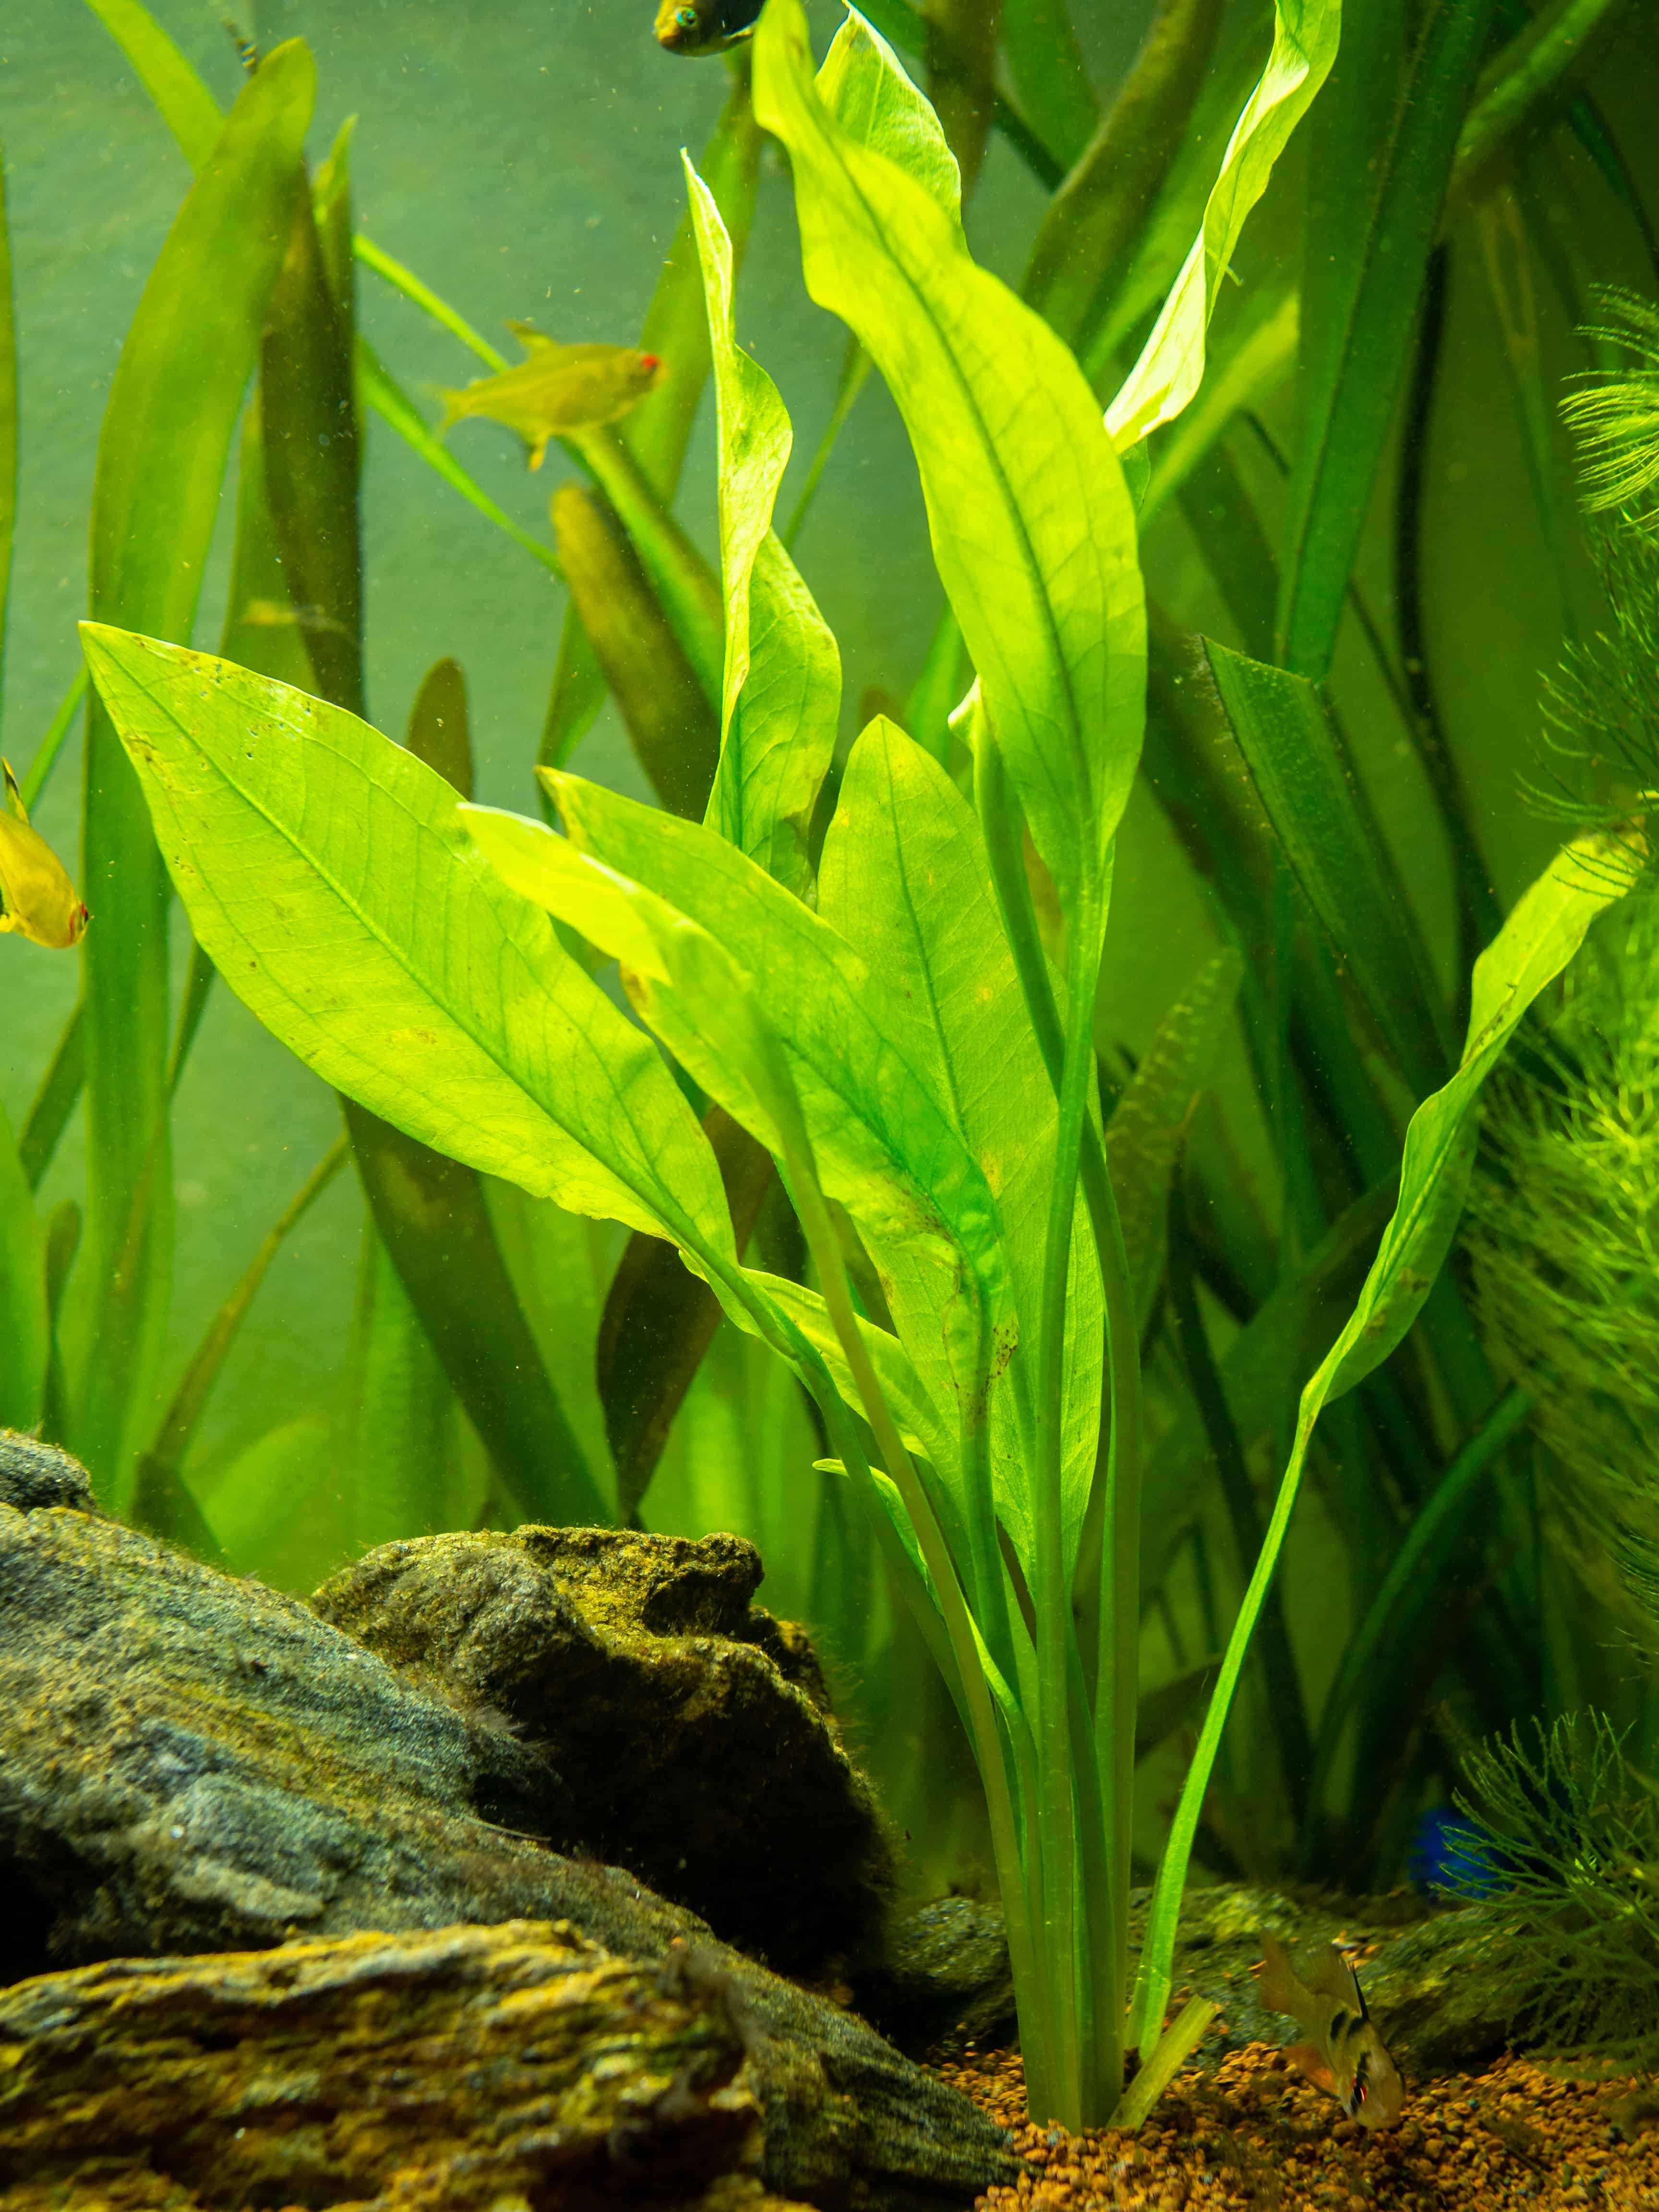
(944, 1981)
(471, 2068)
(690, 1732)
(32, 1474)
(190, 1762)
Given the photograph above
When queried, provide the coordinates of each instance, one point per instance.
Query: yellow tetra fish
(37, 898)
(557, 389)
(1346, 2055)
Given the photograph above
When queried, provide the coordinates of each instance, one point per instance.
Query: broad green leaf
(23, 1334)
(664, 706)
(325, 870)
(864, 86)
(781, 694)
(1082, 253)
(884, 1144)
(172, 406)
(1320, 816)
(1171, 364)
(1032, 529)
(913, 1410)
(1050, 76)
(904, 879)
(1542, 933)
(1381, 156)
(1145, 1133)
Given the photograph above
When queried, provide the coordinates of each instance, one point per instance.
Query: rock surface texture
(477, 2068)
(688, 1733)
(33, 1474)
(192, 1763)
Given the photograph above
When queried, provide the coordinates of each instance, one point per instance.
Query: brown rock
(690, 1733)
(190, 1762)
(470, 2069)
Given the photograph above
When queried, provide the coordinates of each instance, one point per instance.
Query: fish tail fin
(454, 407)
(13, 797)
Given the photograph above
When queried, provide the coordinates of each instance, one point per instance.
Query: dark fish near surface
(1346, 2055)
(704, 26)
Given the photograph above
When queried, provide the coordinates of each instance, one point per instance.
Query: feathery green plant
(1615, 415)
(1564, 1230)
(1569, 1942)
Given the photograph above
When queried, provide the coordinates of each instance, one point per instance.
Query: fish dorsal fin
(530, 337)
(13, 797)
(1331, 1976)
(1278, 1986)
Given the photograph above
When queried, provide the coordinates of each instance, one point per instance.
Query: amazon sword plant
(914, 1049)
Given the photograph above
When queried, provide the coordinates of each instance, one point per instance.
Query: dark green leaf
(172, 406)
(675, 730)
(1323, 824)
(659, 1320)
(1383, 139)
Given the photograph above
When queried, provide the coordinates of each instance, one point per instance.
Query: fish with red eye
(1344, 2056)
(694, 27)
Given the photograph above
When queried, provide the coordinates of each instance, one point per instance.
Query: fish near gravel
(1344, 2054)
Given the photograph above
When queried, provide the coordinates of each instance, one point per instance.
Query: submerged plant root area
(1250, 2135)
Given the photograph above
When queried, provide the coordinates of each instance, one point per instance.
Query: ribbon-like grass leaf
(1171, 364)
(1320, 817)
(23, 1334)
(1540, 937)
(173, 408)
(1383, 146)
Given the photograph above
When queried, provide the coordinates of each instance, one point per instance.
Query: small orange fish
(37, 898)
(1346, 2057)
(557, 389)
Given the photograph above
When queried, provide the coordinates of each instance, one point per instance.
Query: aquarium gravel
(1249, 2134)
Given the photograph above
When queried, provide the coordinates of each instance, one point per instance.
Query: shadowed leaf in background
(172, 406)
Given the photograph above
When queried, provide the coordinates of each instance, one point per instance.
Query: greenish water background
(523, 158)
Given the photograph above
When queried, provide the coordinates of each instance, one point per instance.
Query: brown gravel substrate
(1250, 2135)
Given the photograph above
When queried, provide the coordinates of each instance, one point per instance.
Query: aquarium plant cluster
(1048, 1336)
